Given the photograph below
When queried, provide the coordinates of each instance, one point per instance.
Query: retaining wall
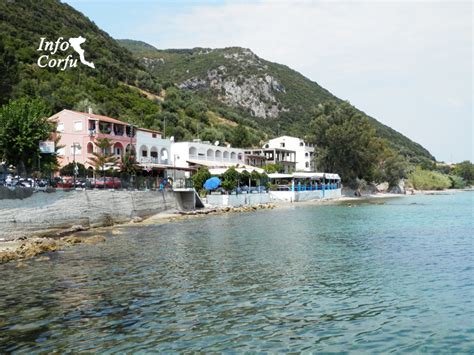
(295, 196)
(238, 200)
(90, 208)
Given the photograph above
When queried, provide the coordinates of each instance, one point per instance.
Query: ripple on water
(396, 277)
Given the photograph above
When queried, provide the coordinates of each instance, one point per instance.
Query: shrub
(457, 182)
(422, 179)
(200, 177)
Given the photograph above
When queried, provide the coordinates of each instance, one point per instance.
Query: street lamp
(75, 146)
(174, 167)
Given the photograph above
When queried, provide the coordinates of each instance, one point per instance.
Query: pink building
(82, 129)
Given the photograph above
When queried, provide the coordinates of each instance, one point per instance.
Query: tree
(273, 168)
(8, 71)
(68, 170)
(245, 178)
(347, 142)
(23, 124)
(200, 177)
(230, 179)
(240, 137)
(393, 167)
(103, 159)
(129, 163)
(465, 170)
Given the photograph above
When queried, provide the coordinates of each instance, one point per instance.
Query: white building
(152, 149)
(197, 152)
(304, 151)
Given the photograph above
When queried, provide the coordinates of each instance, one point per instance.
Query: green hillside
(119, 86)
(207, 93)
(293, 96)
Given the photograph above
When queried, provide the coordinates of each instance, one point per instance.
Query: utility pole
(73, 146)
(131, 150)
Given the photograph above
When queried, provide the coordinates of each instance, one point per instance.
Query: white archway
(210, 154)
(193, 152)
(143, 151)
(154, 154)
(164, 156)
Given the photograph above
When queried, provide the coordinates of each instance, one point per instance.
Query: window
(90, 148)
(306, 164)
(60, 127)
(78, 125)
(306, 154)
(153, 135)
(282, 145)
(301, 144)
(118, 151)
(144, 153)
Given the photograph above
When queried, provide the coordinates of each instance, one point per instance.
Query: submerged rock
(73, 239)
(137, 219)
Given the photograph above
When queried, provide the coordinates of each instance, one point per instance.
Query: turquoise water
(394, 277)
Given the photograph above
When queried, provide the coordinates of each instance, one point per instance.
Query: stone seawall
(43, 212)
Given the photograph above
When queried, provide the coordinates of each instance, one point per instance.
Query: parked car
(64, 183)
(107, 182)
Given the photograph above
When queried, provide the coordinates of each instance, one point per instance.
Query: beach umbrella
(212, 183)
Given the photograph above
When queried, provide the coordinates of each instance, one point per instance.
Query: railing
(183, 184)
(144, 160)
(316, 187)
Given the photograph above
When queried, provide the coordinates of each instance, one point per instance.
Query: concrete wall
(238, 200)
(45, 211)
(295, 196)
(16, 193)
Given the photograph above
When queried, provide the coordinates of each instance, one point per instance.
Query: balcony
(152, 160)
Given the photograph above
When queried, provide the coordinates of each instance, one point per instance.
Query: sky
(409, 64)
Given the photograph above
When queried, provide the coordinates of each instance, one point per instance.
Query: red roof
(99, 117)
(149, 130)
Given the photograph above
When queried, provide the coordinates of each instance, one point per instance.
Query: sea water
(385, 276)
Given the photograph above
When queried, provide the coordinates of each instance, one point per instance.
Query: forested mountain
(119, 86)
(235, 80)
(230, 94)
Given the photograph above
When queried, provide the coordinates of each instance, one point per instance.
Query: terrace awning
(310, 175)
(305, 175)
(216, 165)
(280, 176)
(220, 171)
(332, 176)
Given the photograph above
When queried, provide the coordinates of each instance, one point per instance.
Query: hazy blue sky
(408, 64)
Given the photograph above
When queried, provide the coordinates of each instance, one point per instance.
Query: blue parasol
(212, 183)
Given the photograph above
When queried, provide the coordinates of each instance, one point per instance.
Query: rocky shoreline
(24, 247)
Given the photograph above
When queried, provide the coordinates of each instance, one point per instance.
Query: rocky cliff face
(254, 93)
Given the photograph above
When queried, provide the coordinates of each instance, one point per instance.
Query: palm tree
(129, 164)
(104, 157)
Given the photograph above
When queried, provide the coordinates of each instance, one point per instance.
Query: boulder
(399, 188)
(383, 187)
